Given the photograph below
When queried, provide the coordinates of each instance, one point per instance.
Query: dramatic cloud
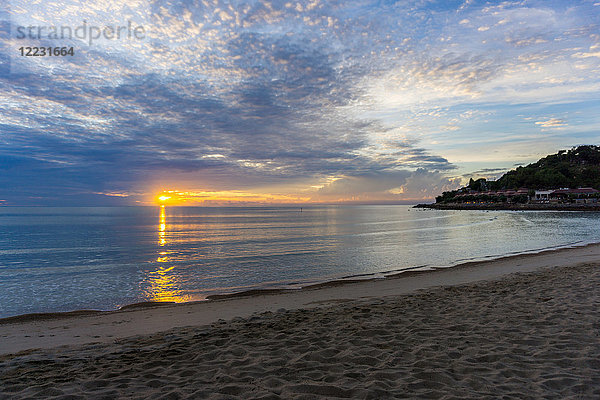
(387, 186)
(287, 101)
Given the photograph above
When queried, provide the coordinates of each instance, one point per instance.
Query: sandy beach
(520, 327)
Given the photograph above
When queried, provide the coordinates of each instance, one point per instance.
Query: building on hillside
(522, 195)
(580, 196)
(542, 196)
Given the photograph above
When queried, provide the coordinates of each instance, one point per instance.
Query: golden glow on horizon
(225, 197)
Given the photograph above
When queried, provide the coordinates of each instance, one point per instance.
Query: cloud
(488, 173)
(587, 55)
(226, 96)
(552, 123)
(387, 186)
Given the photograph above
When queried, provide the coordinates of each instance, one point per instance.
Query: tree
(577, 167)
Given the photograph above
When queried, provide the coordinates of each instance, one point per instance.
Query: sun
(164, 198)
(169, 197)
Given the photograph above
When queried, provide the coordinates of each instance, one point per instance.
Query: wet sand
(534, 333)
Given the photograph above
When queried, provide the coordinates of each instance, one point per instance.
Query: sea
(102, 258)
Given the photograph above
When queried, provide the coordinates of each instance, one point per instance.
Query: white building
(542, 196)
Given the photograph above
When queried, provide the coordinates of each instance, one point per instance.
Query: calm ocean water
(61, 259)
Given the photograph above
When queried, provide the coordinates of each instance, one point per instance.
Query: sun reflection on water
(162, 227)
(164, 283)
(164, 286)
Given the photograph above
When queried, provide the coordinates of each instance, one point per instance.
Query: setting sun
(167, 197)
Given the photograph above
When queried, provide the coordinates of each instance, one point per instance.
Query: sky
(279, 102)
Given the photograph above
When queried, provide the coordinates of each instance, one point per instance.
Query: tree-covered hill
(578, 167)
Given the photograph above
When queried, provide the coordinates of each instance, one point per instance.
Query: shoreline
(50, 330)
(510, 207)
(524, 335)
(252, 292)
